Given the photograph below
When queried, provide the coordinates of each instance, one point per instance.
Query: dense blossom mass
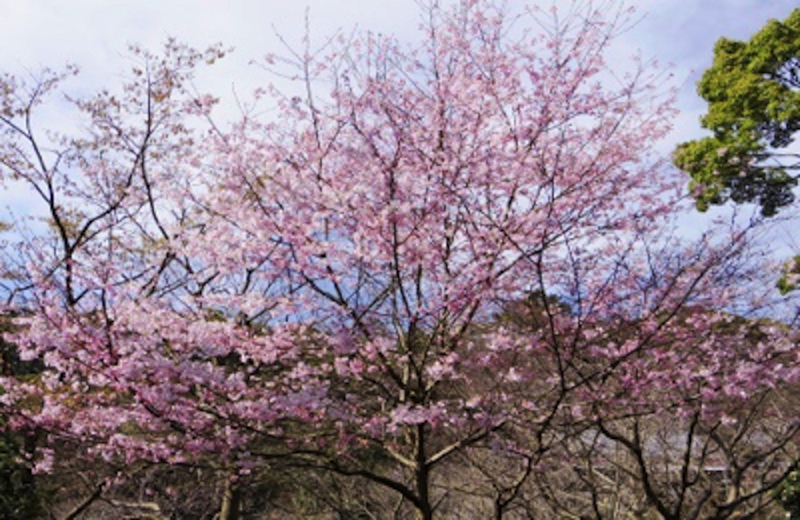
(454, 254)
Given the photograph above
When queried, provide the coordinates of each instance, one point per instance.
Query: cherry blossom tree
(330, 290)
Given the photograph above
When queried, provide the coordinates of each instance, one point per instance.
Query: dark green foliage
(753, 95)
(790, 276)
(19, 496)
(789, 495)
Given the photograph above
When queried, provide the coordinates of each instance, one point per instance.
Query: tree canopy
(446, 271)
(753, 95)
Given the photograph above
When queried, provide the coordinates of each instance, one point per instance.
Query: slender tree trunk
(423, 481)
(84, 505)
(231, 501)
(423, 477)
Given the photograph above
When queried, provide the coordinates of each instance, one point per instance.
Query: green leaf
(753, 95)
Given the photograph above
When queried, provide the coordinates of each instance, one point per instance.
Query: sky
(94, 34)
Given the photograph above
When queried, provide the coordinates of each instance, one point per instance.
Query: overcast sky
(94, 34)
